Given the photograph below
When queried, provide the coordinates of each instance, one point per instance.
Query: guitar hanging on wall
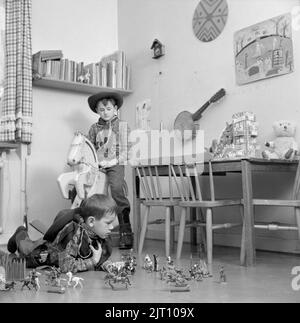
(186, 120)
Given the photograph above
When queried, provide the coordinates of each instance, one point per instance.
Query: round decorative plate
(210, 19)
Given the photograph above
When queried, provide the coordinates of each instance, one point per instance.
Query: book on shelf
(80, 70)
(103, 74)
(111, 74)
(62, 69)
(126, 84)
(115, 66)
(43, 56)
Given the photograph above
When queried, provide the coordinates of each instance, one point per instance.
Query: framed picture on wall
(264, 50)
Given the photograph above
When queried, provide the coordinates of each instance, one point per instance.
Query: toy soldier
(222, 275)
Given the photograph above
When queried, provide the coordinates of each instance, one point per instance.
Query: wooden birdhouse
(158, 49)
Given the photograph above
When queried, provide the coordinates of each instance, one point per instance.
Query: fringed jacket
(69, 241)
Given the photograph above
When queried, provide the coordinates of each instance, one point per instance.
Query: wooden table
(246, 167)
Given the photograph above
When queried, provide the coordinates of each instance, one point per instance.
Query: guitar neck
(197, 115)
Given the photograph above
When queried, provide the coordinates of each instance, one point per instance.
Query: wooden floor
(269, 281)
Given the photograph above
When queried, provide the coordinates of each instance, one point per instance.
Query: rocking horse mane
(88, 142)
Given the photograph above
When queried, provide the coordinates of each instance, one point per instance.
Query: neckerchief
(91, 234)
(106, 124)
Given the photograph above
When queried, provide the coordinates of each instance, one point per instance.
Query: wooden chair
(151, 185)
(188, 184)
(294, 203)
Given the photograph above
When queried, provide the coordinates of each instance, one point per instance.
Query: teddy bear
(284, 146)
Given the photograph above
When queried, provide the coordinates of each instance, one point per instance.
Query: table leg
(193, 218)
(248, 228)
(136, 209)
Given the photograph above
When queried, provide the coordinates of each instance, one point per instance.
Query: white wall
(191, 71)
(84, 31)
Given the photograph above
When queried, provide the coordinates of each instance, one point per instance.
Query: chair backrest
(151, 183)
(187, 180)
(295, 194)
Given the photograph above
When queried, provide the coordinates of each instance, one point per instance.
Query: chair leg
(202, 239)
(243, 252)
(193, 230)
(181, 231)
(144, 229)
(172, 229)
(209, 238)
(167, 231)
(297, 213)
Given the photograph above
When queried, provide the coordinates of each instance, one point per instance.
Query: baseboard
(234, 240)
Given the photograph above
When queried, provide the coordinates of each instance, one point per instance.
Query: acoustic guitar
(186, 120)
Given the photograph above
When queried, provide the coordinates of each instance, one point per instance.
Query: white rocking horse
(86, 176)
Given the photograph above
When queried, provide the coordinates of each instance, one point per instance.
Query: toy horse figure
(87, 178)
(75, 279)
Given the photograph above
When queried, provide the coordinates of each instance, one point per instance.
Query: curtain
(2, 47)
(16, 117)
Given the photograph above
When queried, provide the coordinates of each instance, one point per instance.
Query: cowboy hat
(95, 98)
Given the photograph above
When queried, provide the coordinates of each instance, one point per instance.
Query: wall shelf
(76, 86)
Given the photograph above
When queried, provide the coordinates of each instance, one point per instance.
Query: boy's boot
(21, 242)
(126, 236)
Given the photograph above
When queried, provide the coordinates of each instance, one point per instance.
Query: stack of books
(111, 71)
(41, 60)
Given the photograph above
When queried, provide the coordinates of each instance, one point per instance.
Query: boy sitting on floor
(76, 241)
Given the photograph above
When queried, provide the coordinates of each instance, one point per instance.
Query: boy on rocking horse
(109, 136)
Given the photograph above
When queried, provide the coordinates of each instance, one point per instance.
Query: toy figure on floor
(117, 277)
(170, 263)
(155, 266)
(10, 286)
(222, 275)
(34, 276)
(199, 270)
(129, 262)
(284, 146)
(117, 282)
(176, 278)
(77, 280)
(148, 264)
(53, 276)
(109, 136)
(53, 281)
(196, 273)
(27, 282)
(76, 241)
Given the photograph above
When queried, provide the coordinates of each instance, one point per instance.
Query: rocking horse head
(87, 178)
(82, 151)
